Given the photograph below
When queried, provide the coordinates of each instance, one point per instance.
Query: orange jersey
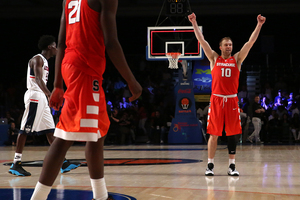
(84, 38)
(225, 76)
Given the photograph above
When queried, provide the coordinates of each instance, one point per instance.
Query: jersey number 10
(74, 15)
(226, 72)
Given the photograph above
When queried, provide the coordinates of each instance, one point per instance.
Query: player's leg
(51, 165)
(233, 129)
(215, 123)
(67, 165)
(231, 144)
(16, 168)
(95, 161)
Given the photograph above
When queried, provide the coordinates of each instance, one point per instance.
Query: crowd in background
(147, 119)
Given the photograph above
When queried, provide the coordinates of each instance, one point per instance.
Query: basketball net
(173, 59)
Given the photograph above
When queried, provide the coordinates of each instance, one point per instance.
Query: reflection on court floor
(25, 194)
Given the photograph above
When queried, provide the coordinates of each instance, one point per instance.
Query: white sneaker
(209, 170)
(232, 171)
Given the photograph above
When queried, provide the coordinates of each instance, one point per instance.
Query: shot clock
(177, 7)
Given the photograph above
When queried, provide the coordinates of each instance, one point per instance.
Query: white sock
(210, 160)
(99, 189)
(40, 192)
(231, 161)
(18, 157)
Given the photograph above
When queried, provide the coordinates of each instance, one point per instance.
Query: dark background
(24, 21)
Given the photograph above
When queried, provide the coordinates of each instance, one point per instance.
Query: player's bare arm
(56, 98)
(242, 54)
(210, 54)
(36, 64)
(113, 47)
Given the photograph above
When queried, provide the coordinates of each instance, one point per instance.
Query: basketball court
(150, 172)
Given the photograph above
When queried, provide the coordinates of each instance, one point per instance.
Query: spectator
(258, 111)
(295, 125)
(278, 97)
(267, 91)
(12, 134)
(243, 93)
(273, 127)
(158, 127)
(294, 110)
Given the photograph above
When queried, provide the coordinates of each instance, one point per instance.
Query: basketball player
(87, 29)
(37, 118)
(225, 70)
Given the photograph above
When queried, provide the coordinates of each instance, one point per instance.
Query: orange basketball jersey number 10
(74, 15)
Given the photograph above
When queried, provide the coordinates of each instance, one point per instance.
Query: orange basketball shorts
(83, 115)
(224, 110)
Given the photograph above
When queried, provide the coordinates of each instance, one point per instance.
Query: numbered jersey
(225, 76)
(84, 38)
(31, 82)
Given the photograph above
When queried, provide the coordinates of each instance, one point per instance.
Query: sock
(231, 161)
(18, 157)
(40, 192)
(211, 160)
(99, 189)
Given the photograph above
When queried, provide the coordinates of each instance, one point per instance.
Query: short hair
(224, 38)
(45, 41)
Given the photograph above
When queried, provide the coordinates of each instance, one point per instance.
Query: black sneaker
(17, 169)
(109, 198)
(232, 171)
(209, 170)
(67, 166)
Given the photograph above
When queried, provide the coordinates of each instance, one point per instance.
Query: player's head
(225, 45)
(47, 43)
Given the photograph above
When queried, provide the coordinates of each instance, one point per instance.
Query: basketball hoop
(173, 59)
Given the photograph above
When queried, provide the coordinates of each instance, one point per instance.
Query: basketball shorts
(222, 111)
(37, 118)
(84, 114)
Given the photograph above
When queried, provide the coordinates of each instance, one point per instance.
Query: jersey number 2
(226, 72)
(74, 15)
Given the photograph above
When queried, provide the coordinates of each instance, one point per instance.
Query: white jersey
(31, 82)
(37, 118)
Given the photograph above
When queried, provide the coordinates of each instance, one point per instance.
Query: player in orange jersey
(225, 70)
(87, 30)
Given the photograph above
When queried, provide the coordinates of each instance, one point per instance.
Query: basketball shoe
(209, 170)
(67, 166)
(232, 171)
(17, 169)
(109, 198)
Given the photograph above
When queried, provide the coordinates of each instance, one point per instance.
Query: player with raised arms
(225, 71)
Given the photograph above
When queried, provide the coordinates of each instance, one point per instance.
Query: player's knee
(213, 138)
(231, 140)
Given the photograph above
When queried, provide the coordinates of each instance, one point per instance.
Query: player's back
(31, 82)
(84, 37)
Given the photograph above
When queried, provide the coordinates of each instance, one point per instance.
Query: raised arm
(56, 99)
(113, 47)
(210, 54)
(242, 54)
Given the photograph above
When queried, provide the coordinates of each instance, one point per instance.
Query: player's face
(53, 48)
(257, 99)
(226, 47)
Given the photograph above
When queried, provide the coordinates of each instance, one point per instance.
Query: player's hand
(192, 17)
(261, 19)
(135, 89)
(57, 98)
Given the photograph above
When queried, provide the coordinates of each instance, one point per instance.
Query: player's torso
(31, 82)
(84, 37)
(225, 76)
